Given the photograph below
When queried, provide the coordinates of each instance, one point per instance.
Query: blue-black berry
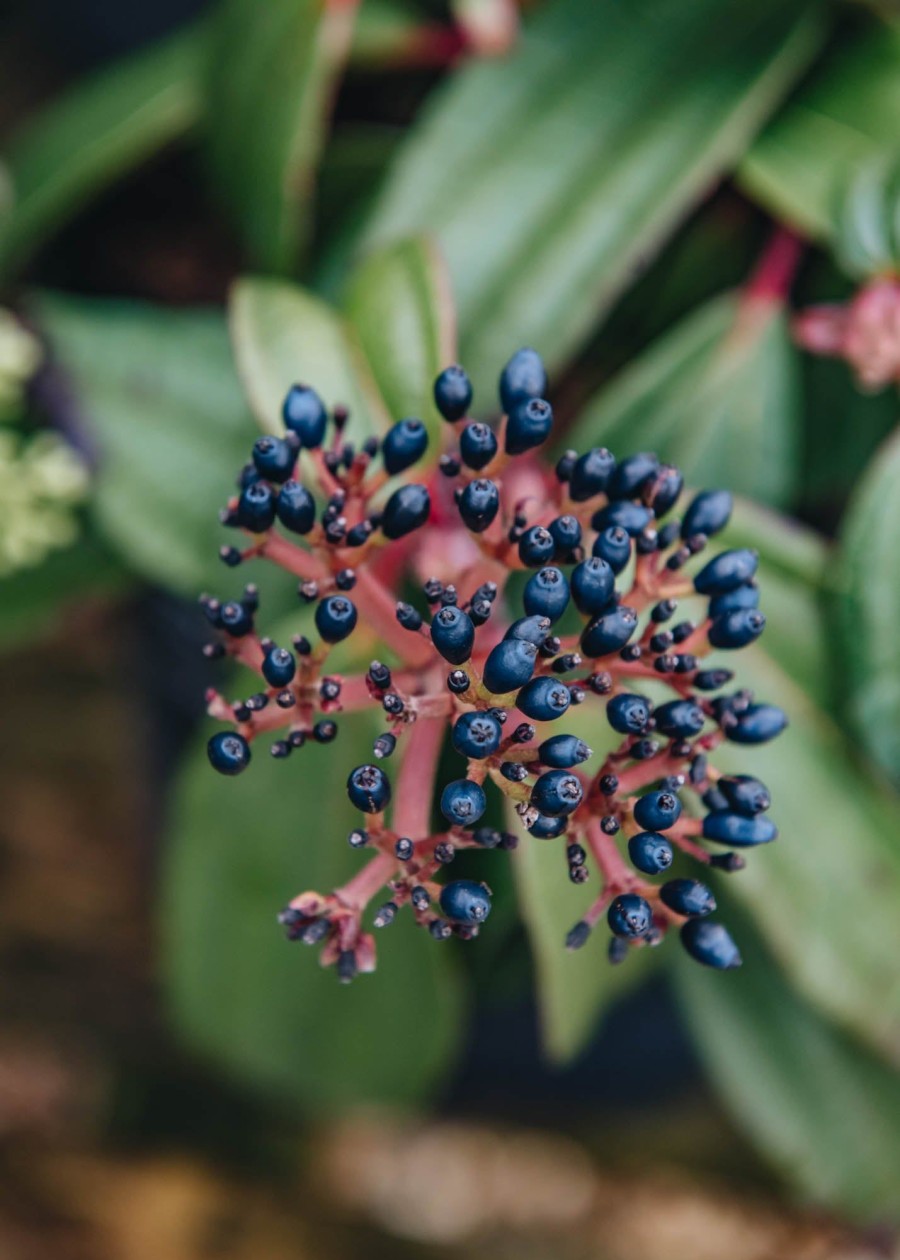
(546, 828)
(679, 719)
(657, 811)
(564, 751)
(628, 713)
(544, 699)
(278, 667)
(304, 413)
(228, 752)
(710, 943)
(532, 629)
(614, 546)
(528, 425)
(741, 830)
(523, 378)
(453, 393)
(509, 665)
(369, 789)
(477, 735)
(726, 571)
(609, 632)
(708, 513)
(256, 507)
(631, 475)
(736, 629)
(757, 724)
(403, 444)
(464, 901)
(623, 514)
(463, 802)
(745, 794)
(453, 634)
(593, 584)
(546, 594)
(407, 509)
(477, 445)
(629, 916)
(650, 852)
(536, 547)
(556, 793)
(274, 458)
(296, 508)
(336, 618)
(478, 504)
(688, 897)
(590, 474)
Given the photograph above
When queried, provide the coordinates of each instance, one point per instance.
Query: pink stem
(414, 790)
(774, 273)
(379, 610)
(359, 891)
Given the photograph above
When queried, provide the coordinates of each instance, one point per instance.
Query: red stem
(774, 273)
(414, 789)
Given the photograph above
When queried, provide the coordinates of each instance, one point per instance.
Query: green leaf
(159, 392)
(400, 305)
(262, 1008)
(549, 175)
(92, 135)
(718, 395)
(867, 608)
(843, 115)
(819, 1105)
(283, 334)
(35, 601)
(273, 70)
(826, 893)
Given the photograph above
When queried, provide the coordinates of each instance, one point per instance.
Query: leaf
(159, 393)
(718, 395)
(273, 71)
(400, 305)
(818, 1104)
(826, 893)
(95, 133)
(262, 1008)
(35, 601)
(550, 175)
(843, 115)
(282, 334)
(867, 609)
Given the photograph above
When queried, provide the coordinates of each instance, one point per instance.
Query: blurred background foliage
(203, 203)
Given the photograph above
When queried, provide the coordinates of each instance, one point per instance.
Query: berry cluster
(541, 590)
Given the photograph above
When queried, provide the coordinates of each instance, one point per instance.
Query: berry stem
(416, 779)
(359, 891)
(379, 610)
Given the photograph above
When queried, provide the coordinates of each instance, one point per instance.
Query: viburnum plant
(498, 664)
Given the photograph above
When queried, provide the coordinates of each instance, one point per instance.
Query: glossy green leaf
(260, 1007)
(826, 893)
(92, 135)
(159, 393)
(820, 1106)
(550, 174)
(867, 608)
(845, 114)
(273, 70)
(400, 305)
(718, 395)
(283, 334)
(35, 601)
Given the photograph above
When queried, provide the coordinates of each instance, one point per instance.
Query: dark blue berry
(679, 719)
(256, 507)
(235, 619)
(453, 392)
(740, 830)
(712, 679)
(745, 794)
(532, 629)
(665, 490)
(629, 916)
(708, 513)
(757, 724)
(737, 629)
(369, 789)
(687, 896)
(407, 509)
(453, 634)
(464, 901)
(544, 699)
(477, 735)
(304, 413)
(336, 618)
(477, 445)
(228, 752)
(593, 584)
(246, 477)
(509, 665)
(403, 444)
(631, 475)
(523, 378)
(566, 532)
(614, 546)
(536, 547)
(590, 474)
(610, 632)
(528, 425)
(278, 667)
(463, 802)
(274, 458)
(557, 793)
(564, 751)
(632, 517)
(726, 571)
(478, 504)
(628, 714)
(710, 943)
(746, 596)
(546, 594)
(657, 811)
(650, 852)
(546, 828)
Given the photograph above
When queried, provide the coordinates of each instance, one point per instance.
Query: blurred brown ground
(80, 1012)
